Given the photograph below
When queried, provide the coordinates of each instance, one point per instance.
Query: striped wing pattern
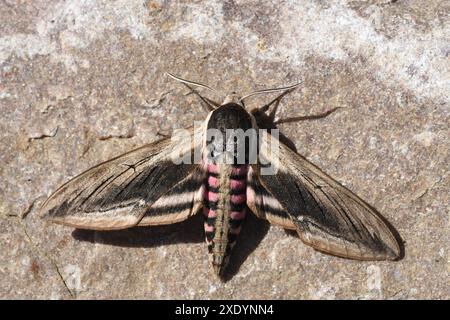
(326, 215)
(137, 188)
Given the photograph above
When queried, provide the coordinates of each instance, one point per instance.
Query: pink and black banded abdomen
(224, 210)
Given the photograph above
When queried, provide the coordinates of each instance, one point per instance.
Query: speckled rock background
(83, 81)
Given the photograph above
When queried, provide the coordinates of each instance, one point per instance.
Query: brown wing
(129, 190)
(327, 216)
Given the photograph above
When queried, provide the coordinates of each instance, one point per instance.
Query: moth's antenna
(191, 82)
(268, 91)
(208, 103)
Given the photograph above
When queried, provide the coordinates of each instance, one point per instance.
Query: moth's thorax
(229, 116)
(227, 137)
(232, 98)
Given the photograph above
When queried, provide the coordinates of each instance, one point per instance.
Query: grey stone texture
(83, 81)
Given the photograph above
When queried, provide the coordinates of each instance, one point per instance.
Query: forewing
(328, 216)
(119, 193)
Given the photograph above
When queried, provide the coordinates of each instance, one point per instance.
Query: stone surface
(83, 81)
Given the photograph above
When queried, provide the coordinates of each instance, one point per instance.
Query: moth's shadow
(189, 231)
(253, 231)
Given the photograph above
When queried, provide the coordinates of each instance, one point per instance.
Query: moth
(146, 187)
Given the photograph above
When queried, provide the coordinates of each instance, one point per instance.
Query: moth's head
(233, 97)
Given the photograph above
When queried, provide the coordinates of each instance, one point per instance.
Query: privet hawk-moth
(146, 187)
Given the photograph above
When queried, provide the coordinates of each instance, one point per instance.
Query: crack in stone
(428, 189)
(131, 132)
(158, 101)
(44, 135)
(28, 209)
(40, 252)
(127, 135)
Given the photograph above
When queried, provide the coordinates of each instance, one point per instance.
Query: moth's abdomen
(224, 210)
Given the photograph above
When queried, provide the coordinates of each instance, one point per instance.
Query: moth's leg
(264, 120)
(311, 117)
(274, 102)
(207, 104)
